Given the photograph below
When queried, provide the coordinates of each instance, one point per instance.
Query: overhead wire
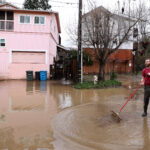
(62, 4)
(68, 3)
(53, 1)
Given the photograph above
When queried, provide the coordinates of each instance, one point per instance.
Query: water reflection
(146, 140)
(64, 100)
(29, 108)
(27, 99)
(43, 86)
(66, 96)
(29, 87)
(37, 86)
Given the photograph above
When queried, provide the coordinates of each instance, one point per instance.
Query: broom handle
(131, 95)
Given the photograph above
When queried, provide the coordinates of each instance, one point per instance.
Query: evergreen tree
(44, 4)
(28, 4)
(37, 4)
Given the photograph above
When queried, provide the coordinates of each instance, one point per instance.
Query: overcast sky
(68, 11)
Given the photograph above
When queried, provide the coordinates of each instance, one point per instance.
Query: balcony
(6, 25)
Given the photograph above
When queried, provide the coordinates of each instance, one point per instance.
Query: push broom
(116, 115)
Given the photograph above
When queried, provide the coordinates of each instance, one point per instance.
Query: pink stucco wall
(30, 38)
(4, 64)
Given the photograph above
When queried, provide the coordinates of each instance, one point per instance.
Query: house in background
(122, 60)
(28, 40)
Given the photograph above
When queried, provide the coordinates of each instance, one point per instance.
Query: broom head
(115, 116)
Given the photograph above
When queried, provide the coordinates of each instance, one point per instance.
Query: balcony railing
(6, 25)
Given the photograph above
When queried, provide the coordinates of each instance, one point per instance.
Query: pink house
(28, 40)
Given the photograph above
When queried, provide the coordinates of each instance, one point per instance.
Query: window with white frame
(39, 20)
(2, 43)
(24, 19)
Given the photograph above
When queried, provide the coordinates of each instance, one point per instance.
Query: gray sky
(68, 13)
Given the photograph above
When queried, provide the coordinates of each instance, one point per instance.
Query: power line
(63, 6)
(69, 3)
(15, 3)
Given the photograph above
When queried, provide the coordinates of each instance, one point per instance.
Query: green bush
(113, 75)
(91, 85)
(140, 72)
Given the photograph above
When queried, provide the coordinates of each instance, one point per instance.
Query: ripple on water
(91, 125)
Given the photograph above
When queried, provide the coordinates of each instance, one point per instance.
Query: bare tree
(105, 32)
(141, 37)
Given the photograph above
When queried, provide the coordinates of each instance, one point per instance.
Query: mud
(53, 116)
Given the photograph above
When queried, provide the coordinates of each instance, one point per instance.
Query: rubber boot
(145, 112)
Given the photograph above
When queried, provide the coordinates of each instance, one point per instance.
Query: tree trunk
(101, 74)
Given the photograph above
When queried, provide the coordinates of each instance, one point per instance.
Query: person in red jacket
(146, 81)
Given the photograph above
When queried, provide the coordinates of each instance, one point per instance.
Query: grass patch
(91, 85)
(140, 72)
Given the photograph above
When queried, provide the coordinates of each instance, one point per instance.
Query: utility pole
(79, 54)
(133, 51)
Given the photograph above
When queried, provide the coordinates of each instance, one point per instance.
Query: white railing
(6, 25)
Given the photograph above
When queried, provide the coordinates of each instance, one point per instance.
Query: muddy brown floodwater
(53, 116)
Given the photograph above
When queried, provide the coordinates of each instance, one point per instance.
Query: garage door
(28, 57)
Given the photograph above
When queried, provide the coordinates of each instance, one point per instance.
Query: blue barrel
(43, 75)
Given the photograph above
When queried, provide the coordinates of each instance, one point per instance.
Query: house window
(2, 25)
(2, 15)
(2, 42)
(6, 20)
(10, 15)
(9, 25)
(39, 20)
(24, 19)
(6, 15)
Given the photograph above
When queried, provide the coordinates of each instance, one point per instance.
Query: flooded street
(52, 115)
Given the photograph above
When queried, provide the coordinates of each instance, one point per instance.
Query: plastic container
(43, 75)
(37, 75)
(29, 75)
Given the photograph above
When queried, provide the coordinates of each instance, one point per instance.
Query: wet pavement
(52, 115)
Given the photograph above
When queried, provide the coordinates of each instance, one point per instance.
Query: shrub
(91, 85)
(113, 75)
